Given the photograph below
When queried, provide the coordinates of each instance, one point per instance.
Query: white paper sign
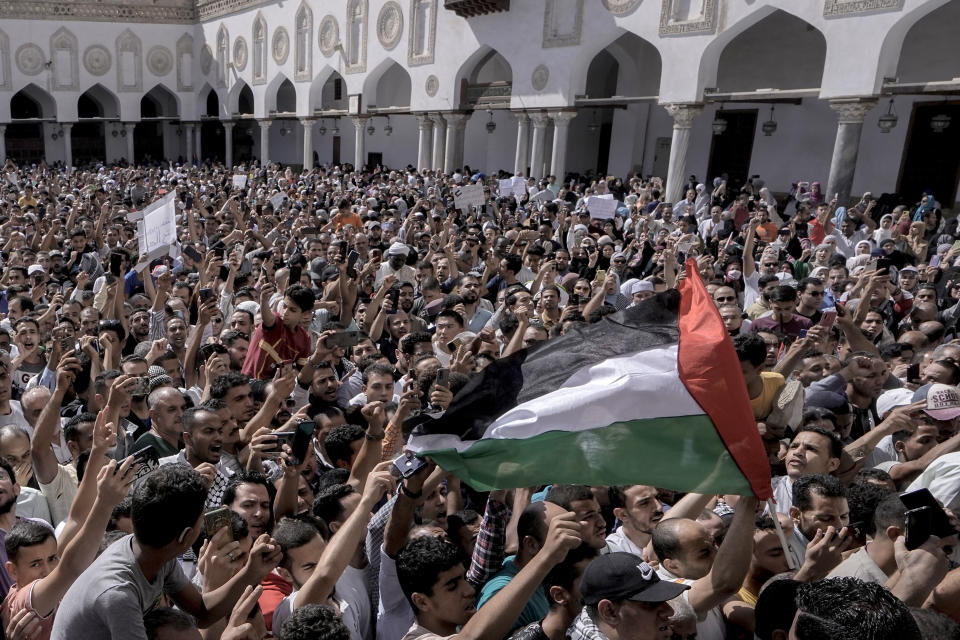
(157, 232)
(601, 207)
(544, 196)
(239, 181)
(468, 196)
(519, 186)
(506, 187)
(277, 200)
(12, 179)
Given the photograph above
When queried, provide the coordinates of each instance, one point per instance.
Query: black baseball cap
(624, 576)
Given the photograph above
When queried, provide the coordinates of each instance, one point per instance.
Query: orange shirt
(343, 219)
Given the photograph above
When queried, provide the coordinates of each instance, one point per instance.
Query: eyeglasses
(726, 298)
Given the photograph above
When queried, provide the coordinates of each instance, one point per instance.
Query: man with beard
(203, 440)
(9, 493)
(396, 265)
(819, 507)
(237, 343)
(234, 389)
(638, 508)
(140, 325)
(231, 434)
(324, 386)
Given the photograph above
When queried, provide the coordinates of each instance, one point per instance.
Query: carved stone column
(228, 143)
(67, 144)
(456, 131)
(197, 146)
(540, 122)
(264, 141)
(425, 126)
(846, 147)
(188, 132)
(683, 115)
(439, 139)
(129, 128)
(360, 150)
(307, 124)
(522, 154)
(561, 128)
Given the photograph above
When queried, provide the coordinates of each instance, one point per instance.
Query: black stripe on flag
(531, 373)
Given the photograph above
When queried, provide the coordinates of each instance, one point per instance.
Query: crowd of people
(211, 443)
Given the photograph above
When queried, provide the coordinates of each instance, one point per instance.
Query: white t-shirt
(354, 602)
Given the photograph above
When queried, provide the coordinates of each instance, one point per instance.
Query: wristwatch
(410, 494)
(372, 437)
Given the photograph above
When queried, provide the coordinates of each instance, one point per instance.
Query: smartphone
(443, 378)
(935, 260)
(345, 339)
(309, 231)
(601, 275)
(395, 299)
(192, 253)
(454, 344)
(871, 266)
(925, 517)
(205, 295)
(217, 519)
(295, 273)
(283, 438)
(407, 464)
(913, 372)
(218, 252)
(147, 462)
(301, 440)
(67, 344)
(352, 258)
(116, 263)
(188, 203)
(142, 386)
(828, 318)
(224, 273)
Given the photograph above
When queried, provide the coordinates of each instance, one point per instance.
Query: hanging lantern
(323, 128)
(387, 129)
(371, 129)
(719, 124)
(939, 122)
(770, 125)
(491, 125)
(336, 127)
(594, 126)
(888, 120)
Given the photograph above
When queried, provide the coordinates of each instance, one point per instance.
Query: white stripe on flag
(638, 386)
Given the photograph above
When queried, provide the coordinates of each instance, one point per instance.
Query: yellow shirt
(763, 404)
(747, 596)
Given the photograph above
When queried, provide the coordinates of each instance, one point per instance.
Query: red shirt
(275, 589)
(816, 232)
(22, 598)
(271, 346)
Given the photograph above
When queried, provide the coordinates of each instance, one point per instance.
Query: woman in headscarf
(815, 195)
(885, 230)
(767, 198)
(915, 243)
(927, 203)
(861, 255)
(701, 205)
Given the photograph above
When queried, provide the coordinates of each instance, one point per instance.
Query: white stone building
(807, 88)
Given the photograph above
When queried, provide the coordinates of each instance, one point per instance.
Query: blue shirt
(537, 607)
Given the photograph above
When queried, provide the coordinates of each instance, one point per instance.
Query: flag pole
(791, 563)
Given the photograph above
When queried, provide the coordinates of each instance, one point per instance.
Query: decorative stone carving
(158, 12)
(303, 44)
(159, 60)
(852, 111)
(423, 32)
(355, 54)
(328, 35)
(390, 25)
(683, 114)
(240, 53)
(206, 59)
(96, 59)
(30, 59)
(672, 25)
(540, 77)
(432, 85)
(834, 8)
(65, 54)
(280, 45)
(5, 82)
(620, 7)
(259, 50)
(185, 63)
(129, 62)
(567, 35)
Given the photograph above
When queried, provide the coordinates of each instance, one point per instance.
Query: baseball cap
(893, 398)
(641, 285)
(909, 267)
(624, 576)
(943, 401)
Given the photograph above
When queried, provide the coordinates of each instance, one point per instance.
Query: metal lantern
(387, 129)
(939, 122)
(336, 127)
(770, 125)
(491, 125)
(719, 124)
(888, 120)
(371, 129)
(323, 128)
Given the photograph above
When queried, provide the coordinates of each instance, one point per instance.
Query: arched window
(356, 36)
(303, 49)
(423, 24)
(259, 50)
(223, 54)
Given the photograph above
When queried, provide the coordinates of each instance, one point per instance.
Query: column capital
(563, 118)
(683, 113)
(522, 116)
(539, 120)
(129, 125)
(456, 119)
(264, 122)
(359, 120)
(307, 122)
(438, 118)
(66, 125)
(852, 110)
(227, 124)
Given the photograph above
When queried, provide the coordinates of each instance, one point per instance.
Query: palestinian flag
(650, 395)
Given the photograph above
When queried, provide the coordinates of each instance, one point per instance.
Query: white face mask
(734, 274)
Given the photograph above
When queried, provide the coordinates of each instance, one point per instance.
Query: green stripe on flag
(682, 453)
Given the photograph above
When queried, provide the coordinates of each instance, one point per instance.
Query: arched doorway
(212, 140)
(24, 137)
(95, 107)
(158, 106)
(243, 132)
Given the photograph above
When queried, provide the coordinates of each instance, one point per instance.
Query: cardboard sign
(157, 231)
(239, 181)
(544, 196)
(468, 196)
(602, 207)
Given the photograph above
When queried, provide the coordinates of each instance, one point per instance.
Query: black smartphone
(218, 251)
(407, 464)
(301, 440)
(352, 258)
(188, 203)
(142, 387)
(395, 299)
(295, 273)
(926, 516)
(205, 295)
(308, 231)
(283, 438)
(224, 273)
(192, 253)
(913, 372)
(345, 339)
(116, 263)
(66, 344)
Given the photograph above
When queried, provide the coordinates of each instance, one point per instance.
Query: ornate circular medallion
(240, 53)
(280, 46)
(390, 25)
(329, 35)
(433, 84)
(159, 60)
(620, 7)
(97, 59)
(539, 78)
(30, 59)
